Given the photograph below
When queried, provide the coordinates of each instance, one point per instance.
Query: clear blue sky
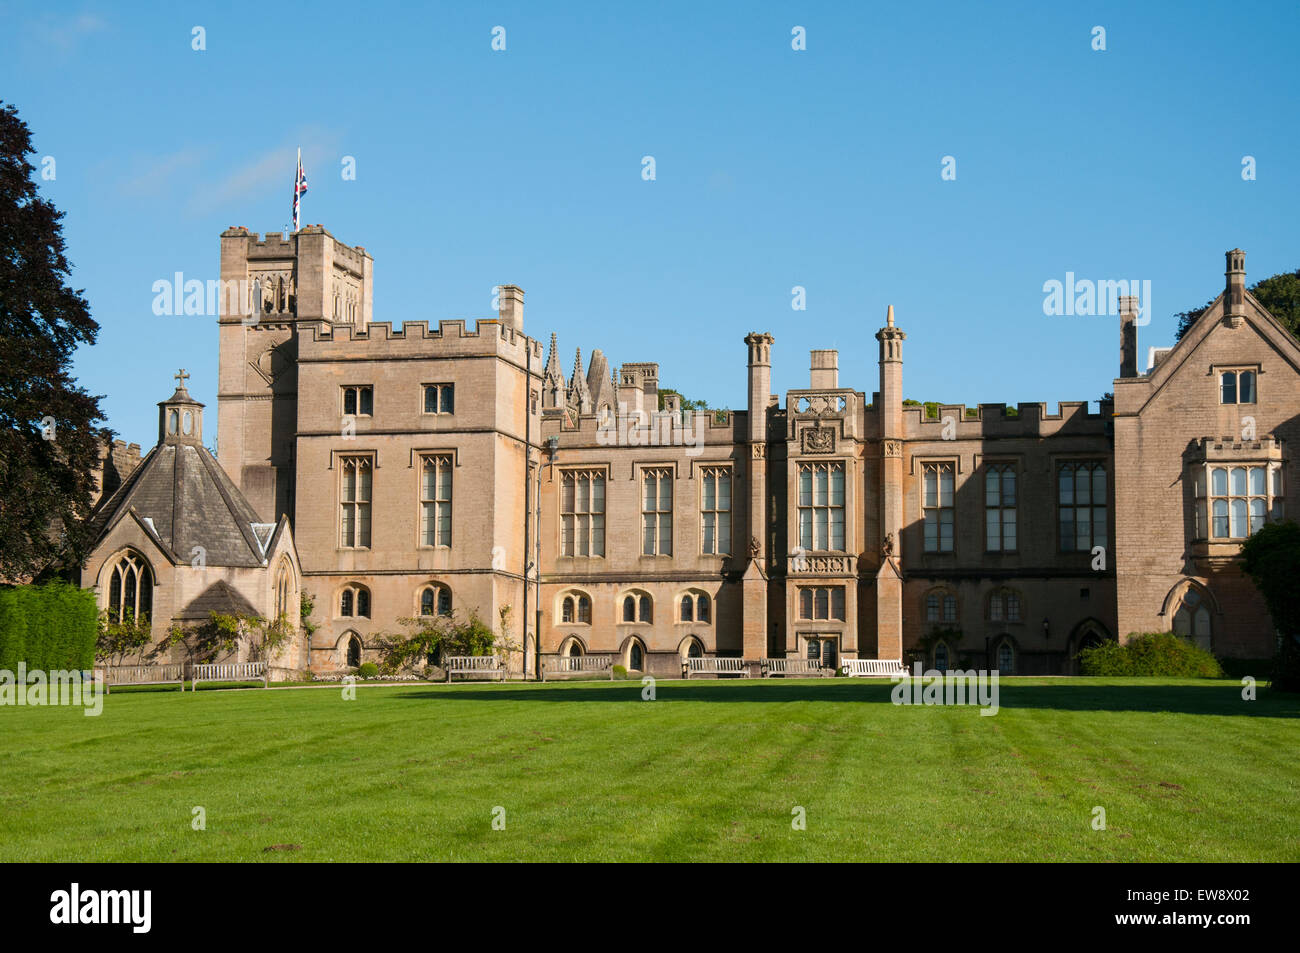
(775, 168)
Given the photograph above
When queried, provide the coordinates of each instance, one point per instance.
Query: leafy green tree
(222, 634)
(687, 403)
(1271, 558)
(434, 636)
(50, 438)
(1280, 294)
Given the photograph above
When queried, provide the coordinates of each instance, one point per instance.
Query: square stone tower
(275, 286)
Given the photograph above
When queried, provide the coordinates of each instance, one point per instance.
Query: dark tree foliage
(1280, 294)
(50, 441)
(687, 403)
(1271, 558)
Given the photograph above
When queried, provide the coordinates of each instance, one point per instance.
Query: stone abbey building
(394, 468)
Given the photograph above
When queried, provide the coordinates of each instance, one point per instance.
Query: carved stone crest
(819, 440)
(893, 448)
(758, 450)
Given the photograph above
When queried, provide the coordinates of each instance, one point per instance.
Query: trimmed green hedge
(1150, 653)
(51, 627)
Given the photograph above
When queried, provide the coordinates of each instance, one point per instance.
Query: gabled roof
(181, 494)
(1256, 316)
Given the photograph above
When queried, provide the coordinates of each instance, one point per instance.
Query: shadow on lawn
(1210, 698)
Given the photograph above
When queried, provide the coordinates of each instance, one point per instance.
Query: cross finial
(181, 377)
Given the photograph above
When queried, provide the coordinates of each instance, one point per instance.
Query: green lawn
(711, 770)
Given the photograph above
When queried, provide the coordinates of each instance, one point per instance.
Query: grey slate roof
(181, 492)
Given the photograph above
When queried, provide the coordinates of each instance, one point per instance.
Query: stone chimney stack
(1234, 293)
(889, 580)
(891, 340)
(760, 384)
(510, 308)
(1128, 336)
(755, 542)
(825, 370)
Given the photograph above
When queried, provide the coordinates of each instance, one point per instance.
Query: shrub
(1150, 654)
(368, 670)
(620, 671)
(13, 631)
(434, 635)
(50, 627)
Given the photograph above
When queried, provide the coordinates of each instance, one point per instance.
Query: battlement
(639, 428)
(275, 244)
(119, 460)
(1232, 449)
(956, 421)
(380, 339)
(306, 275)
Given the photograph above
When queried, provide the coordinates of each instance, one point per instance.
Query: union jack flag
(299, 189)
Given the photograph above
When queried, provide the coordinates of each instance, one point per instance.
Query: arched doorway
(354, 652)
(1005, 657)
(1192, 618)
(941, 656)
(1088, 634)
(636, 656)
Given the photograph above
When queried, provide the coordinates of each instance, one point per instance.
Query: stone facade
(435, 468)
(1173, 429)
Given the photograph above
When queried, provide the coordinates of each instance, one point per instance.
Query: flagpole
(297, 198)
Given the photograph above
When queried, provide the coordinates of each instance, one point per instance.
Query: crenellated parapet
(451, 338)
(308, 274)
(630, 427)
(957, 422)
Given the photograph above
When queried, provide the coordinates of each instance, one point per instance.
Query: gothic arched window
(435, 600)
(638, 607)
(283, 589)
(355, 599)
(130, 589)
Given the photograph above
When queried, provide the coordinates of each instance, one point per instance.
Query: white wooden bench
(872, 667)
(793, 666)
(142, 675)
(575, 664)
(230, 672)
(475, 665)
(717, 666)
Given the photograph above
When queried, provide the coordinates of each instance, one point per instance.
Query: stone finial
(579, 394)
(889, 317)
